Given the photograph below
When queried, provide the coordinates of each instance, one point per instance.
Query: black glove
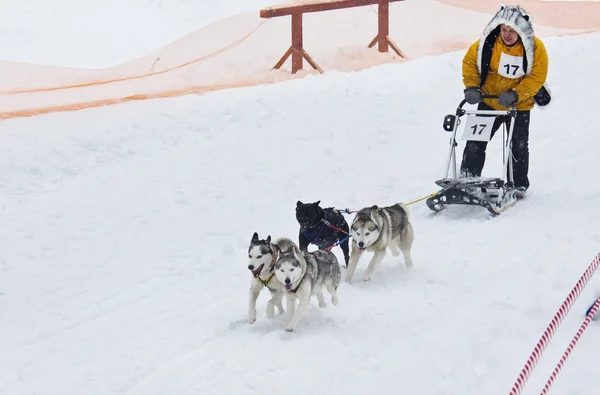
(507, 99)
(473, 95)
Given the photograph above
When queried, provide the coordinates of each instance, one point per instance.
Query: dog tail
(404, 207)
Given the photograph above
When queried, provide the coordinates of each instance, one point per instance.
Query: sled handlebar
(464, 101)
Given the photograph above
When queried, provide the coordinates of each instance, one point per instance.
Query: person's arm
(533, 82)
(471, 77)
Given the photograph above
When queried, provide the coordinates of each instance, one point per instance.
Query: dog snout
(287, 280)
(251, 267)
(361, 244)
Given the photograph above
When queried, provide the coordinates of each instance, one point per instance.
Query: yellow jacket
(497, 81)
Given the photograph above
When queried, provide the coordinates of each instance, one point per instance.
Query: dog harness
(268, 280)
(314, 237)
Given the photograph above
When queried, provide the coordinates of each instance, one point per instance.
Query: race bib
(478, 128)
(511, 66)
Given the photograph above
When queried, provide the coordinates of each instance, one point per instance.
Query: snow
(96, 34)
(125, 234)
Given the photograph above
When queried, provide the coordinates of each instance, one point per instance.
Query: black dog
(314, 229)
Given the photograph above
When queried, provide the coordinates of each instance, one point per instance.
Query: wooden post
(383, 24)
(383, 30)
(296, 51)
(297, 42)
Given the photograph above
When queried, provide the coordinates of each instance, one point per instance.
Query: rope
(423, 198)
(553, 326)
(348, 211)
(593, 310)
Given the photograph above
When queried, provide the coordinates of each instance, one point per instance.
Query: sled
(494, 194)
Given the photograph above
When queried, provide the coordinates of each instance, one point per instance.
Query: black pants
(474, 155)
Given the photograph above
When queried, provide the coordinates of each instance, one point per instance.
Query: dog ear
(373, 219)
(317, 203)
(296, 252)
(255, 237)
(299, 203)
(275, 251)
(374, 207)
(268, 239)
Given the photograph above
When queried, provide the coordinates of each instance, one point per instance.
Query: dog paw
(289, 329)
(334, 300)
(408, 264)
(322, 305)
(251, 320)
(366, 277)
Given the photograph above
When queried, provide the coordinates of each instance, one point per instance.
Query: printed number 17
(508, 66)
(481, 126)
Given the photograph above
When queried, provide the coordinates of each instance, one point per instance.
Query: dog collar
(295, 290)
(267, 281)
(271, 267)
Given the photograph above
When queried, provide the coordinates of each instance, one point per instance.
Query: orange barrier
(107, 102)
(151, 74)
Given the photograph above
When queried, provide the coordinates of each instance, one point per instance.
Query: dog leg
(302, 308)
(395, 249)
(356, 254)
(252, 304)
(375, 261)
(319, 293)
(277, 301)
(290, 298)
(344, 246)
(333, 291)
(271, 303)
(405, 246)
(303, 241)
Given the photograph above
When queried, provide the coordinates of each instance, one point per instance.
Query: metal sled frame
(495, 194)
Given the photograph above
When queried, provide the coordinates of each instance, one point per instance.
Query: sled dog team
(288, 269)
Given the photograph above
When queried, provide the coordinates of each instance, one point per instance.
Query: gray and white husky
(261, 262)
(304, 274)
(377, 229)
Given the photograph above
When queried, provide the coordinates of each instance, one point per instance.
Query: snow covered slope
(125, 233)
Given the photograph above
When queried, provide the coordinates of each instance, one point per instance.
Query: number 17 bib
(511, 66)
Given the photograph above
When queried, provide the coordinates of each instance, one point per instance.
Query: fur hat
(518, 19)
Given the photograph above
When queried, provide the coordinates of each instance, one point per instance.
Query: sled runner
(494, 194)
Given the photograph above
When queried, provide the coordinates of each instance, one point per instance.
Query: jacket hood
(519, 20)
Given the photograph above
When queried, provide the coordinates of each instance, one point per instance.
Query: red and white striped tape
(553, 326)
(562, 361)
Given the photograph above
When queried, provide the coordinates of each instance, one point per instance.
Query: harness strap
(267, 281)
(314, 238)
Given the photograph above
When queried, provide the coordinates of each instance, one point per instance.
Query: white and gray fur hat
(518, 19)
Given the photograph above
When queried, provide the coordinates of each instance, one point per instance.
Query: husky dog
(377, 229)
(304, 274)
(262, 255)
(313, 220)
